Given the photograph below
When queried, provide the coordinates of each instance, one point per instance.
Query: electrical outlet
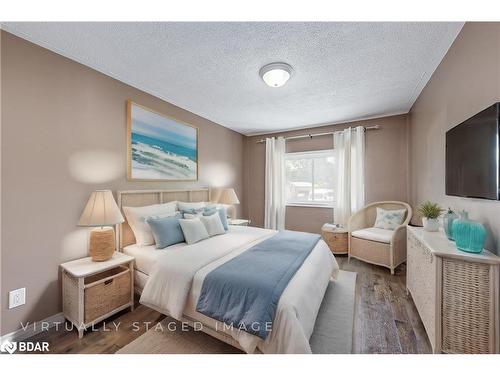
(17, 298)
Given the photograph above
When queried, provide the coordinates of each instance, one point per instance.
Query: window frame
(326, 152)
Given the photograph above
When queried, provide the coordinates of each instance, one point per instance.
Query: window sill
(309, 205)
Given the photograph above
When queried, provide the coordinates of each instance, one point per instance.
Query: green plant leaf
(429, 210)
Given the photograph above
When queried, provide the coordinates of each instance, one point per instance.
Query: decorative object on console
(448, 220)
(101, 211)
(229, 197)
(469, 235)
(430, 213)
(160, 148)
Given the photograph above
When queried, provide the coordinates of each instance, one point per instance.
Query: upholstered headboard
(136, 198)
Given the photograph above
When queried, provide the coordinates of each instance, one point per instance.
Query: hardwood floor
(386, 320)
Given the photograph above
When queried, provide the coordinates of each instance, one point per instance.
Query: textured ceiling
(342, 71)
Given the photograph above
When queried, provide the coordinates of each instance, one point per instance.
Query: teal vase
(448, 220)
(469, 235)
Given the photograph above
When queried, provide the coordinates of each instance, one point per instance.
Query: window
(309, 178)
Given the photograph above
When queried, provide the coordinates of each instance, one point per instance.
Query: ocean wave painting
(160, 148)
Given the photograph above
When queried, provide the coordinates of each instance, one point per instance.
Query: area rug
(332, 331)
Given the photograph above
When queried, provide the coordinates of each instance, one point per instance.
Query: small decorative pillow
(389, 219)
(193, 230)
(213, 224)
(222, 214)
(191, 213)
(166, 230)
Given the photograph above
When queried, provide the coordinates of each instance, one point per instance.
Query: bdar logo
(8, 347)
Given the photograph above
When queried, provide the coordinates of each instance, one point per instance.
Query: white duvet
(175, 282)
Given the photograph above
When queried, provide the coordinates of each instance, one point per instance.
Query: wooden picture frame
(160, 147)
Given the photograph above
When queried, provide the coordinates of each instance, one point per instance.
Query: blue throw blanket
(244, 292)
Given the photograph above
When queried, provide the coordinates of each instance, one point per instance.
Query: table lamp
(228, 196)
(101, 211)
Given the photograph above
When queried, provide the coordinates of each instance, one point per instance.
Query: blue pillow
(209, 210)
(222, 214)
(166, 230)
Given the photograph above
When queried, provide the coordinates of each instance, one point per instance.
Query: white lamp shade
(228, 196)
(101, 210)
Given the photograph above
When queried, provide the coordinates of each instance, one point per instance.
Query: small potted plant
(430, 213)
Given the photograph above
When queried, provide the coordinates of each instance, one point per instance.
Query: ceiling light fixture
(276, 74)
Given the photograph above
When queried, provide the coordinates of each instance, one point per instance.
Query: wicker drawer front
(105, 296)
(466, 321)
(337, 242)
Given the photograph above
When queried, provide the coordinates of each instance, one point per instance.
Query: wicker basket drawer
(106, 292)
(336, 241)
(467, 323)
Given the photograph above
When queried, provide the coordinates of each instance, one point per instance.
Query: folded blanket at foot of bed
(244, 292)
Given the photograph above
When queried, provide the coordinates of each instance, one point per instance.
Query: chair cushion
(374, 234)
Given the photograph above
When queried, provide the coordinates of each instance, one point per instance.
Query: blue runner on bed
(244, 292)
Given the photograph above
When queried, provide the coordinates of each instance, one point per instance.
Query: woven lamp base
(102, 244)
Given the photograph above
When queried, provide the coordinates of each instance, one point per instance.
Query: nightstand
(336, 239)
(93, 291)
(240, 222)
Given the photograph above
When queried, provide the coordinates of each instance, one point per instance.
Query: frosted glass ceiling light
(275, 74)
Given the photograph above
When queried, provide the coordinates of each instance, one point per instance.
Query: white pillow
(193, 230)
(213, 224)
(389, 219)
(136, 218)
(159, 216)
(190, 205)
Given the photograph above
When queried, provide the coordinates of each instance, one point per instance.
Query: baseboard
(34, 328)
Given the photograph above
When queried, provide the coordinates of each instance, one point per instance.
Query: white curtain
(275, 184)
(349, 152)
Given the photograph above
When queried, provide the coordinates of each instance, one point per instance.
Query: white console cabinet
(456, 293)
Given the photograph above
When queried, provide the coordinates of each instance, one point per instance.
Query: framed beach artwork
(160, 148)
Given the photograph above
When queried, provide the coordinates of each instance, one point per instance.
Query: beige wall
(466, 81)
(386, 169)
(64, 135)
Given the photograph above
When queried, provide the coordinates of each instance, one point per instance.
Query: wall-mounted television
(472, 156)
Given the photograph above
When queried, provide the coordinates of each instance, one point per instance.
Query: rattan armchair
(390, 254)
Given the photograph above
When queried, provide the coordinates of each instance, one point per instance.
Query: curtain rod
(374, 127)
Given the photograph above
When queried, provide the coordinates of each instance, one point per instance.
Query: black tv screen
(472, 156)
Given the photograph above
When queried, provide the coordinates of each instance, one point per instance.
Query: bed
(170, 280)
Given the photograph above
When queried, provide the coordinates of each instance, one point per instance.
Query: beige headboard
(136, 198)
